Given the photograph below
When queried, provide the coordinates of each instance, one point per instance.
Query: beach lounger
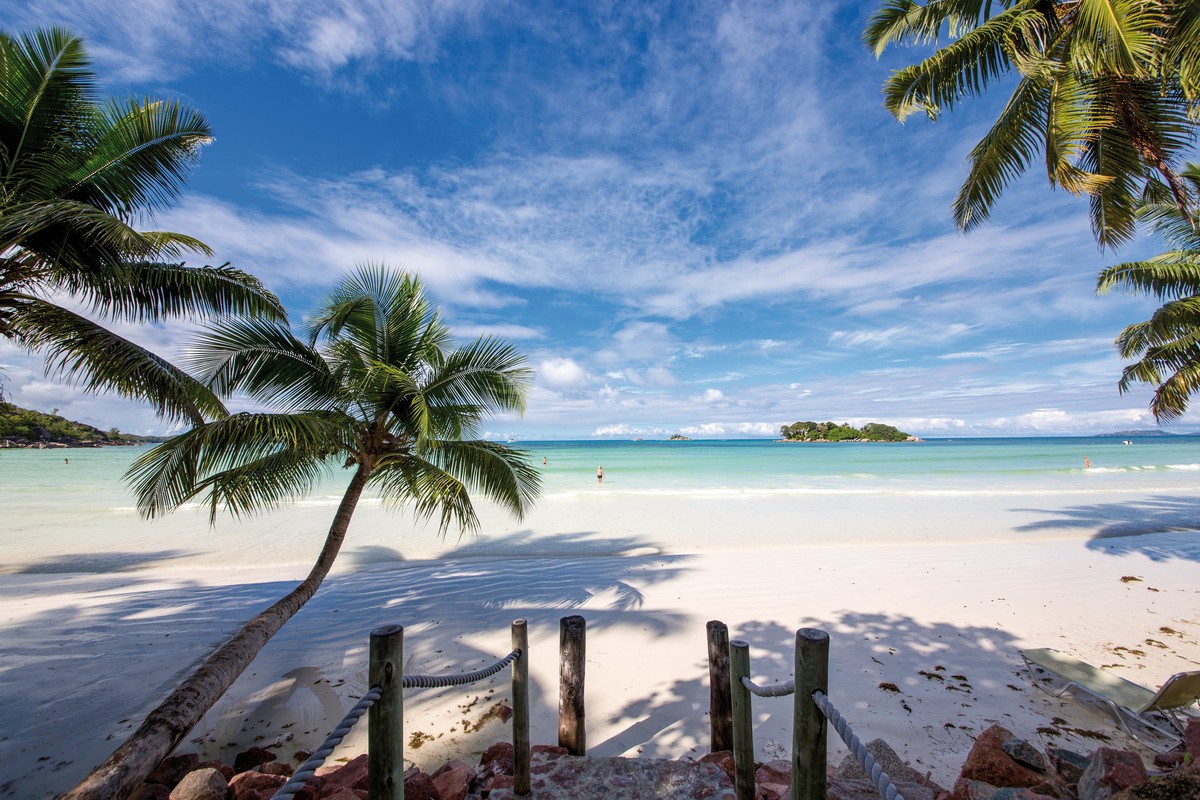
(1125, 700)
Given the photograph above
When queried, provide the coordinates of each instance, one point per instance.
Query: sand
(938, 605)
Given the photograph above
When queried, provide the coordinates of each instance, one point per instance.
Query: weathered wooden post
(572, 635)
(720, 709)
(809, 728)
(743, 723)
(385, 721)
(520, 691)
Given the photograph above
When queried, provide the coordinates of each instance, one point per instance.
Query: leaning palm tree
(1166, 346)
(76, 174)
(1107, 89)
(374, 388)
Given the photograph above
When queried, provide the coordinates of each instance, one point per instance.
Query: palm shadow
(1160, 528)
(112, 561)
(456, 612)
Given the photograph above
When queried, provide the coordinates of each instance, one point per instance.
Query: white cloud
(563, 373)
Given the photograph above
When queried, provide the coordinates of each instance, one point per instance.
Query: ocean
(674, 496)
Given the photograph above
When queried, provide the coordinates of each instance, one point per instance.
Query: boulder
(220, 766)
(548, 751)
(171, 769)
(1110, 771)
(776, 772)
(1183, 784)
(351, 775)
(344, 794)
(276, 768)
(206, 783)
(966, 789)
(254, 786)
(722, 758)
(151, 791)
(1067, 765)
(989, 763)
(419, 786)
(453, 780)
(249, 759)
(1025, 754)
(1191, 738)
(886, 758)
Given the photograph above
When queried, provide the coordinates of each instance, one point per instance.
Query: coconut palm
(1166, 346)
(375, 388)
(1107, 89)
(76, 174)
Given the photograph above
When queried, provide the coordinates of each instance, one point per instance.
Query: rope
(774, 690)
(441, 681)
(310, 767)
(880, 778)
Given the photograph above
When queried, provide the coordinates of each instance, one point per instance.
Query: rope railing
(878, 777)
(773, 690)
(309, 768)
(385, 748)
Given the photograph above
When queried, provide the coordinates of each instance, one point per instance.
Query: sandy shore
(85, 655)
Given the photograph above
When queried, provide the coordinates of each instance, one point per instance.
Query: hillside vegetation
(833, 432)
(22, 425)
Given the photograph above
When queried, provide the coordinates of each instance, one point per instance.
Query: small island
(24, 428)
(833, 432)
(679, 437)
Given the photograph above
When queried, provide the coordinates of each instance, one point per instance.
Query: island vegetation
(679, 437)
(21, 427)
(833, 432)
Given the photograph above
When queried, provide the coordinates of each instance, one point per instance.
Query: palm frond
(503, 474)
(1167, 276)
(242, 461)
(79, 349)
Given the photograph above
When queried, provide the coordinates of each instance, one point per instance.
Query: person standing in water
(599, 474)
(1087, 464)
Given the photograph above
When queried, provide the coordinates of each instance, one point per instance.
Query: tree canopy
(833, 432)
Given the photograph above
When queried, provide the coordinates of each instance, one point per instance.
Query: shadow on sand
(1133, 526)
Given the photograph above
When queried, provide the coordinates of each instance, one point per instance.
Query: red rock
(453, 783)
(220, 766)
(351, 775)
(206, 783)
(774, 791)
(777, 772)
(341, 794)
(419, 786)
(548, 750)
(449, 765)
(1191, 738)
(254, 786)
(152, 791)
(171, 769)
(249, 759)
(501, 782)
(966, 789)
(1066, 764)
(276, 768)
(988, 763)
(496, 760)
(1170, 760)
(1111, 771)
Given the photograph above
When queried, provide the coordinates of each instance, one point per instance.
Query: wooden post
(743, 723)
(520, 691)
(720, 709)
(572, 638)
(809, 728)
(385, 721)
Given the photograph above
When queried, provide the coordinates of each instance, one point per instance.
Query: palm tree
(1108, 89)
(75, 176)
(1166, 346)
(375, 388)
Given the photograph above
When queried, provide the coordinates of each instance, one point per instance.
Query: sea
(69, 510)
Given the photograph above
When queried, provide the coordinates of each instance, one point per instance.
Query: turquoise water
(39, 481)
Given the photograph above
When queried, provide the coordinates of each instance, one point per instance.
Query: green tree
(75, 174)
(1166, 346)
(1106, 89)
(374, 386)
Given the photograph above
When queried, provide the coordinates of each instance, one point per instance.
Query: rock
(419, 786)
(1183, 784)
(254, 786)
(152, 791)
(840, 789)
(548, 751)
(1191, 738)
(966, 789)
(220, 766)
(453, 780)
(1025, 754)
(343, 794)
(249, 759)
(774, 791)
(885, 757)
(1110, 771)
(351, 775)
(206, 783)
(276, 768)
(989, 763)
(778, 772)
(1169, 760)
(1067, 765)
(171, 769)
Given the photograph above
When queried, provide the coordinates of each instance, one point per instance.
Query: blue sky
(691, 217)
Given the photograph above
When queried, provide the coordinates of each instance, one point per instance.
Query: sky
(691, 218)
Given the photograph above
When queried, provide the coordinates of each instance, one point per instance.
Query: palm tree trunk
(165, 726)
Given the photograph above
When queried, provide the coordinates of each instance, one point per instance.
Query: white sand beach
(949, 587)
